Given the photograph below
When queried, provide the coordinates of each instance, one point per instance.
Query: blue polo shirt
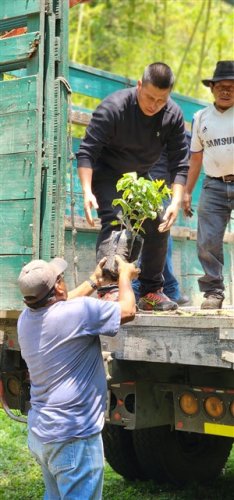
(61, 347)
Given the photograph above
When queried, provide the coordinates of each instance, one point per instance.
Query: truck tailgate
(187, 336)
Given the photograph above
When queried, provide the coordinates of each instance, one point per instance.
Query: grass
(20, 476)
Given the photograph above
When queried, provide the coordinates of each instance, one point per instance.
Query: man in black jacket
(127, 133)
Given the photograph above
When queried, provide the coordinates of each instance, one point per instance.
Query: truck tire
(180, 457)
(120, 453)
(147, 447)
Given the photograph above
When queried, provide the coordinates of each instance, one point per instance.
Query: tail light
(214, 407)
(189, 404)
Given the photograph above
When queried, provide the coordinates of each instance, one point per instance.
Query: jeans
(214, 211)
(171, 285)
(72, 469)
(155, 243)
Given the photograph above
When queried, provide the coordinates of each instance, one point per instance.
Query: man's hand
(188, 212)
(169, 217)
(195, 165)
(97, 275)
(130, 270)
(89, 203)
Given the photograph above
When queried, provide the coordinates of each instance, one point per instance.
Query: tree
(123, 37)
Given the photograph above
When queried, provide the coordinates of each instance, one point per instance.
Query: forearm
(126, 298)
(85, 175)
(177, 194)
(90, 202)
(194, 171)
(83, 290)
(92, 283)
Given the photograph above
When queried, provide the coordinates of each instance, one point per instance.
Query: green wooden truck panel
(18, 132)
(33, 122)
(18, 49)
(17, 8)
(19, 95)
(16, 227)
(18, 176)
(10, 298)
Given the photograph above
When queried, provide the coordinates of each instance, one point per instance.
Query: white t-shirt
(213, 133)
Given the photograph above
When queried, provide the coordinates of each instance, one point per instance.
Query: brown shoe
(212, 302)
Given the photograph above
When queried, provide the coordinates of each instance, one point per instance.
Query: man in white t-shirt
(212, 145)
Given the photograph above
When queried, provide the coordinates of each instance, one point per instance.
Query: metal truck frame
(170, 407)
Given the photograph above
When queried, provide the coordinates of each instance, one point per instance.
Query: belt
(224, 178)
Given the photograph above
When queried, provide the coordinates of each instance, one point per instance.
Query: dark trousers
(155, 243)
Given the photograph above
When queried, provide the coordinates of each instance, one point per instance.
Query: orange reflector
(117, 416)
(214, 406)
(232, 408)
(189, 403)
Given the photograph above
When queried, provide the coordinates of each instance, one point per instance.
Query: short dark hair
(158, 74)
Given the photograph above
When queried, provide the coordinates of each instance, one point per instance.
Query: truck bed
(187, 336)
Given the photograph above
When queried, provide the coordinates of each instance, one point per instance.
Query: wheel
(120, 453)
(147, 444)
(180, 457)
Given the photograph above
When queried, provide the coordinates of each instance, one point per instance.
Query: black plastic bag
(126, 244)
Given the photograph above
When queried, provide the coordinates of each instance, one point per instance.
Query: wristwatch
(92, 284)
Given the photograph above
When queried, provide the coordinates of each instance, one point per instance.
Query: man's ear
(58, 288)
(211, 87)
(139, 84)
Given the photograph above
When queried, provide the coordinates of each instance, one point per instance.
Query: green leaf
(141, 199)
(115, 223)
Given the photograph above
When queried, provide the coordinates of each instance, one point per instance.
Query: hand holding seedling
(169, 217)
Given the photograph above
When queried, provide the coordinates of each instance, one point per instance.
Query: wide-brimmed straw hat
(224, 71)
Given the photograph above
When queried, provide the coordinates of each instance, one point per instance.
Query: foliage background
(124, 36)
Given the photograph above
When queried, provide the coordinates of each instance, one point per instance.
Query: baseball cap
(39, 277)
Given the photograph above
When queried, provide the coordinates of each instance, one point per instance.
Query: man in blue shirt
(59, 339)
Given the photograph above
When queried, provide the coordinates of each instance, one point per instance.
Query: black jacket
(120, 137)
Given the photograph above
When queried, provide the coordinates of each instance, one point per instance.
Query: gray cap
(38, 277)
